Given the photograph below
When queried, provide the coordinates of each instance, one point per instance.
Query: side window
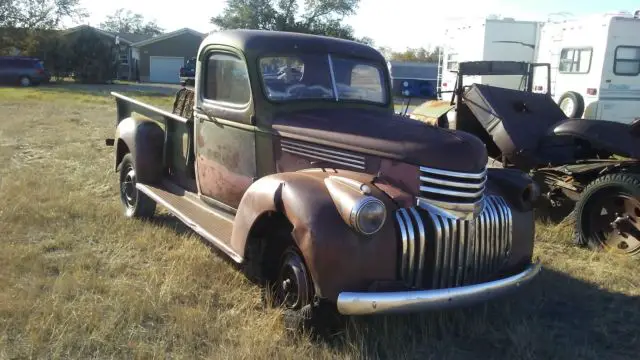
(227, 80)
(366, 84)
(575, 61)
(627, 61)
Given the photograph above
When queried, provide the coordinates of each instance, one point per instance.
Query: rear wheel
(608, 214)
(136, 203)
(25, 81)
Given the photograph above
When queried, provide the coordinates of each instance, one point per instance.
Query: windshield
(310, 76)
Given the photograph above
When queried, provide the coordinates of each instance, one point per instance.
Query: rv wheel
(572, 104)
(608, 214)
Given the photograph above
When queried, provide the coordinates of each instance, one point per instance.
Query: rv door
(619, 93)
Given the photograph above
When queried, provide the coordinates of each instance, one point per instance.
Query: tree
(38, 14)
(412, 54)
(125, 21)
(320, 17)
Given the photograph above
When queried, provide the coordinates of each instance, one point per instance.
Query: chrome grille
(324, 154)
(439, 250)
(452, 187)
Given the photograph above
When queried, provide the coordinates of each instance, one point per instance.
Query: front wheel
(608, 214)
(136, 203)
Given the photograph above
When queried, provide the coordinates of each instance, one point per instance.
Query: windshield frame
(384, 85)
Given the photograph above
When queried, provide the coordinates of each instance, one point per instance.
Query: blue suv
(24, 71)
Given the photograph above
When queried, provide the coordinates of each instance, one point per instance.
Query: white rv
(595, 66)
(483, 40)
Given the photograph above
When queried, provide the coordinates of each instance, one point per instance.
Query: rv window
(627, 61)
(452, 62)
(575, 61)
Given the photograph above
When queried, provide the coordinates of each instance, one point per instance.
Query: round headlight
(368, 215)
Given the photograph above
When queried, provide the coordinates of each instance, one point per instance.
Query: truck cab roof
(254, 43)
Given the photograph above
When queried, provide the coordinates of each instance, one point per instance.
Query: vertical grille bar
(422, 246)
(446, 263)
(405, 241)
(460, 264)
(437, 251)
(492, 236)
(411, 246)
(462, 251)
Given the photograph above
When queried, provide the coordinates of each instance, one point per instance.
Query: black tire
(578, 104)
(607, 215)
(136, 203)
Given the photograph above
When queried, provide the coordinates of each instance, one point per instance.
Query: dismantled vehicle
(311, 182)
(588, 169)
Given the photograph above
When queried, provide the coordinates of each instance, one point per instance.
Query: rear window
(627, 61)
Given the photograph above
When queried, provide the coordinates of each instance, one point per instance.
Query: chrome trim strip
(423, 246)
(464, 175)
(367, 303)
(451, 192)
(360, 167)
(321, 149)
(321, 152)
(479, 185)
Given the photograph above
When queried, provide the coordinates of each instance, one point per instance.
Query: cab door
(224, 136)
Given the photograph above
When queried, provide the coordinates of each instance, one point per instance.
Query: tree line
(31, 26)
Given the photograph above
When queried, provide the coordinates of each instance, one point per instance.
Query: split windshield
(321, 76)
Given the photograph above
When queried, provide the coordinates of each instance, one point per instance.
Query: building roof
(166, 36)
(128, 38)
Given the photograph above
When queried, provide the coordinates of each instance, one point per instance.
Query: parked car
(24, 71)
(318, 189)
(587, 169)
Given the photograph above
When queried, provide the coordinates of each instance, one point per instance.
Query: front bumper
(366, 303)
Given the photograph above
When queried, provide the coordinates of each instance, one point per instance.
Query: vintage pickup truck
(313, 184)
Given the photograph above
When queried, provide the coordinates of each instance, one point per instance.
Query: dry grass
(79, 281)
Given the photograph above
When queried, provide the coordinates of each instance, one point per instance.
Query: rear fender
(338, 257)
(144, 139)
(612, 136)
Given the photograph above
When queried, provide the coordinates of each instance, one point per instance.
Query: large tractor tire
(608, 214)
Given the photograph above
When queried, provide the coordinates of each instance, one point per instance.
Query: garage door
(165, 69)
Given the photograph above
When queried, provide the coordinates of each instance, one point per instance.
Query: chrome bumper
(365, 303)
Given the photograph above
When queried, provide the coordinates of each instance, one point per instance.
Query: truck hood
(385, 135)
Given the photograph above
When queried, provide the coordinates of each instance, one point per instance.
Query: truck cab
(287, 155)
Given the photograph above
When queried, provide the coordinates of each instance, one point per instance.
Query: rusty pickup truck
(287, 155)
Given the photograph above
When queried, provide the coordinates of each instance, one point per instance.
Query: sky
(408, 23)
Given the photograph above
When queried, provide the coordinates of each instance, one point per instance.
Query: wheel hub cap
(616, 223)
(129, 187)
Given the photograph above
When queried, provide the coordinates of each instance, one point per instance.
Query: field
(78, 281)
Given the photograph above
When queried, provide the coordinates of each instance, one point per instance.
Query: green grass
(78, 281)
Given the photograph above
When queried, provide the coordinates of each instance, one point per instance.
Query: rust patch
(220, 183)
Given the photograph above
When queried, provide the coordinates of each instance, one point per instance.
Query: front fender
(338, 258)
(144, 139)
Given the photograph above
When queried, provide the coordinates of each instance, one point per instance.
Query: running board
(214, 226)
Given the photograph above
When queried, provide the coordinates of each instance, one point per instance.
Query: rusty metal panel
(431, 110)
(226, 160)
